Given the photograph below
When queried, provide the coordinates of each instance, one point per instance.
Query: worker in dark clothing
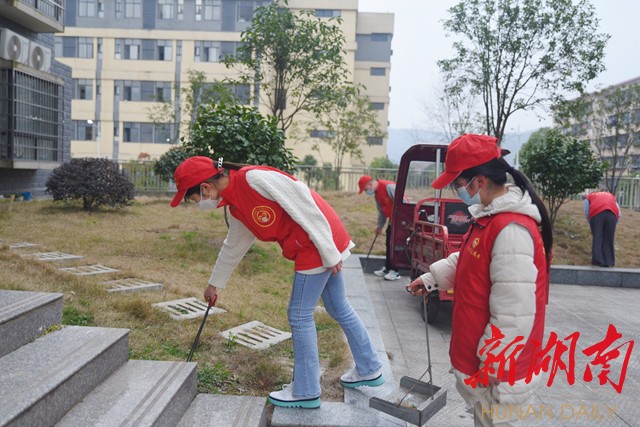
(602, 213)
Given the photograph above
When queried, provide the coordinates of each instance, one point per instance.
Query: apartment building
(127, 54)
(35, 95)
(611, 124)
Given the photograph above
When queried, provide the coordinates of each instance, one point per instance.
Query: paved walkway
(572, 308)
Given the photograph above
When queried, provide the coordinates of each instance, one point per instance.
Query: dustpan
(415, 401)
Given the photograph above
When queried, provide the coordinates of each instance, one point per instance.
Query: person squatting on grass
(500, 276)
(270, 205)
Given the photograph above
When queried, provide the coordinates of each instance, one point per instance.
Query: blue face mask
(370, 192)
(465, 197)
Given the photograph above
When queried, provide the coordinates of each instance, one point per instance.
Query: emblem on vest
(264, 216)
(472, 248)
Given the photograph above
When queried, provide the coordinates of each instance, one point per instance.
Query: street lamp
(96, 126)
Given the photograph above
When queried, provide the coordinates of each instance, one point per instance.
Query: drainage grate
(255, 335)
(51, 256)
(22, 245)
(88, 270)
(131, 285)
(188, 308)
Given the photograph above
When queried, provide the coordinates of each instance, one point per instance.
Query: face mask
(208, 203)
(370, 192)
(466, 198)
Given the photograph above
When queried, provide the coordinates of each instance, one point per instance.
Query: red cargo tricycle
(425, 227)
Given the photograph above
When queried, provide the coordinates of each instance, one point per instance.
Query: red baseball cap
(364, 180)
(193, 171)
(465, 152)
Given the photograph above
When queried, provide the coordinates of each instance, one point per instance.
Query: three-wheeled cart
(426, 227)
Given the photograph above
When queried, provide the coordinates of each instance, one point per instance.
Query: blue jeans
(307, 289)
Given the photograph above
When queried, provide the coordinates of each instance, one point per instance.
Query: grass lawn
(178, 247)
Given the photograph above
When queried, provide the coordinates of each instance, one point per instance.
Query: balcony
(41, 16)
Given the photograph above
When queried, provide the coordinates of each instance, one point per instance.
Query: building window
(327, 13)
(166, 9)
(164, 50)
(86, 8)
(146, 132)
(84, 131)
(83, 89)
(180, 10)
(377, 105)
(244, 10)
(146, 91)
(208, 10)
(33, 129)
(242, 92)
(85, 47)
(100, 8)
(133, 8)
(322, 134)
(374, 140)
(380, 37)
(207, 51)
(128, 48)
(74, 47)
(375, 71)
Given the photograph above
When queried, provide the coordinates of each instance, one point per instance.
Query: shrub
(95, 181)
(169, 161)
(240, 134)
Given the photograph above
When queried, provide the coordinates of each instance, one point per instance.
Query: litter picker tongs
(416, 401)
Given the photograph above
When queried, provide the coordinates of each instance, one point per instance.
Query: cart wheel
(433, 307)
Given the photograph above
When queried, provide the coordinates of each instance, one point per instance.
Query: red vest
(382, 197)
(602, 201)
(473, 288)
(270, 223)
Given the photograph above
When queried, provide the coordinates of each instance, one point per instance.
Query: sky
(419, 41)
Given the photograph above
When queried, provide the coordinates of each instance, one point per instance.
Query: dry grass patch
(175, 247)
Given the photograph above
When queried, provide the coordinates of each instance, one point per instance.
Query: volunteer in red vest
(383, 192)
(603, 213)
(500, 276)
(270, 205)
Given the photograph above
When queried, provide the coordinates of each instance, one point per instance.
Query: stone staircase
(81, 376)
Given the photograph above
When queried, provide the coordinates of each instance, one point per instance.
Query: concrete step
(209, 410)
(43, 380)
(141, 393)
(25, 315)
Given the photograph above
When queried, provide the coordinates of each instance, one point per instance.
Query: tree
(383, 163)
(610, 121)
(452, 113)
(96, 182)
(175, 118)
(345, 129)
(240, 134)
(521, 54)
(560, 166)
(294, 59)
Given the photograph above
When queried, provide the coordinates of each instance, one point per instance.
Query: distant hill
(401, 139)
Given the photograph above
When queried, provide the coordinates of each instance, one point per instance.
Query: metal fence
(324, 179)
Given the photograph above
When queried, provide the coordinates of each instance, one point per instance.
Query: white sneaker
(392, 275)
(381, 272)
(284, 398)
(352, 379)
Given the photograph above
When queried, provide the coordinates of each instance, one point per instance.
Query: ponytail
(547, 231)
